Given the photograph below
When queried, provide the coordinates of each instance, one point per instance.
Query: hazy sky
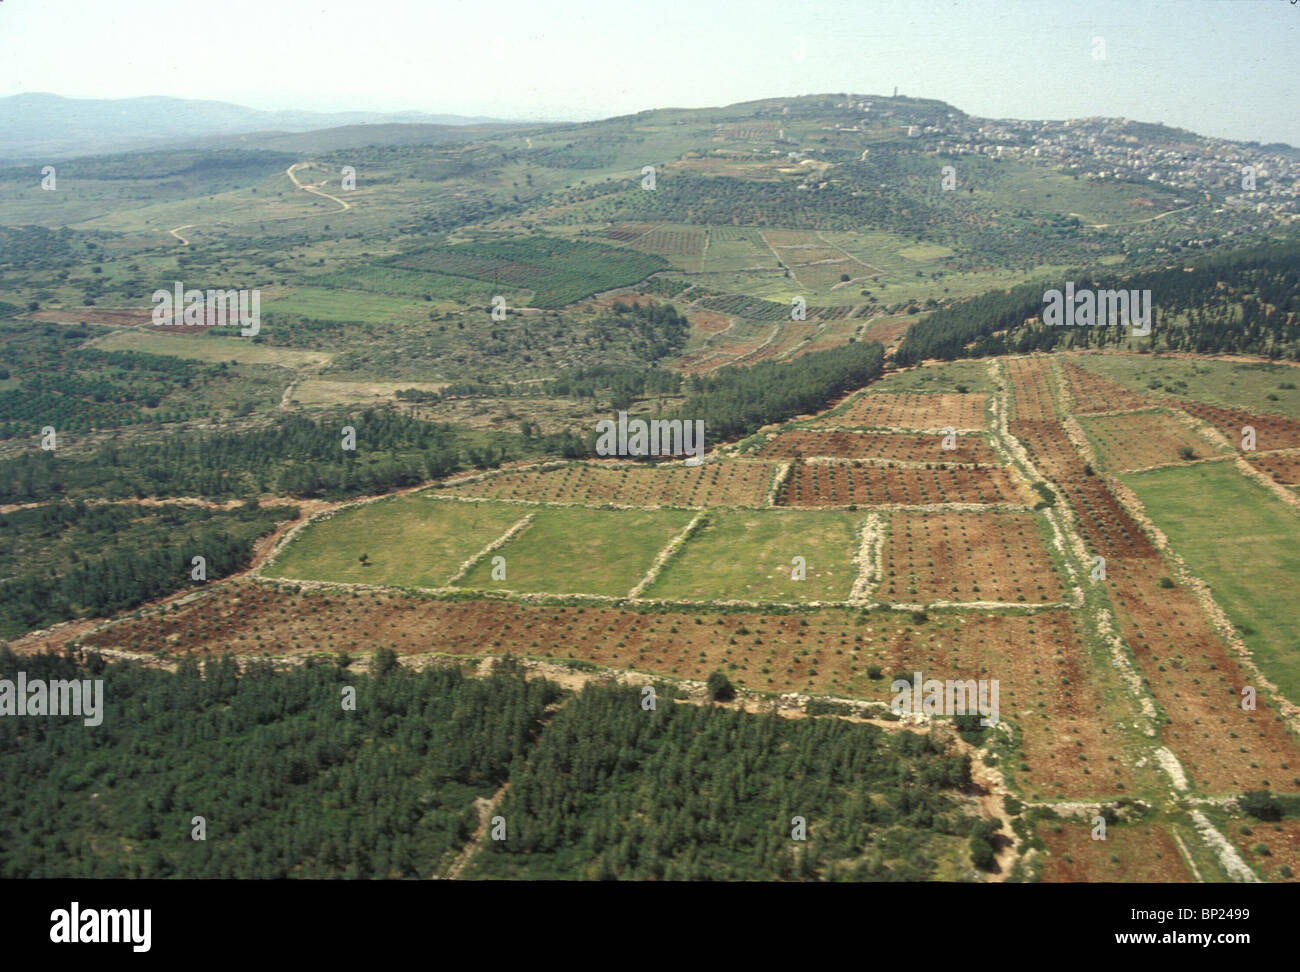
(1219, 67)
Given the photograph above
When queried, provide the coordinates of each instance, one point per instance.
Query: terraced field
(857, 484)
(898, 446)
(728, 483)
(1061, 549)
(911, 411)
(1141, 440)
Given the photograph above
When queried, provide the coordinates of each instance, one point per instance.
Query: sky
(1225, 68)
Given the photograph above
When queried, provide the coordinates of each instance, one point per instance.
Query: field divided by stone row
(1000, 557)
(1092, 393)
(750, 556)
(1190, 670)
(1283, 467)
(426, 541)
(1140, 440)
(909, 410)
(1072, 744)
(1271, 431)
(854, 483)
(575, 550)
(730, 483)
(1244, 550)
(897, 446)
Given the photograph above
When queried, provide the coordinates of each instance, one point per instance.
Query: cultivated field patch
(670, 484)
(1137, 852)
(1272, 848)
(1140, 440)
(909, 410)
(1197, 680)
(1239, 539)
(999, 557)
(1271, 431)
(1092, 392)
(855, 483)
(1283, 467)
(898, 446)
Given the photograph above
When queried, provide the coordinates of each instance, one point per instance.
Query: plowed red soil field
(849, 483)
(913, 410)
(1069, 747)
(667, 484)
(967, 557)
(899, 446)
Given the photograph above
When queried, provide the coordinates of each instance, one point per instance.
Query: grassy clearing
(1240, 540)
(410, 541)
(747, 555)
(1255, 386)
(580, 551)
(318, 303)
(319, 391)
(971, 375)
(209, 349)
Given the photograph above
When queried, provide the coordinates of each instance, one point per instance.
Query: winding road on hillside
(314, 189)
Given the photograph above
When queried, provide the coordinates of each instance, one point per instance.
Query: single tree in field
(365, 560)
(720, 687)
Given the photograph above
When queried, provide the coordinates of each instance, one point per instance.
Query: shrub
(720, 687)
(1260, 804)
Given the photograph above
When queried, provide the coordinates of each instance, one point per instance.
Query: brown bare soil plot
(1071, 740)
(1140, 852)
(898, 446)
(913, 410)
(1284, 467)
(1140, 440)
(1070, 751)
(664, 484)
(1196, 680)
(1103, 522)
(1281, 838)
(887, 331)
(92, 315)
(1271, 431)
(709, 322)
(967, 557)
(1031, 387)
(851, 483)
(1094, 393)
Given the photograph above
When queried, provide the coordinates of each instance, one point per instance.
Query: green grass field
(319, 303)
(1240, 540)
(747, 555)
(972, 375)
(580, 551)
(211, 349)
(410, 541)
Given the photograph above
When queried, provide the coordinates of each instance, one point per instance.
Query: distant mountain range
(39, 127)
